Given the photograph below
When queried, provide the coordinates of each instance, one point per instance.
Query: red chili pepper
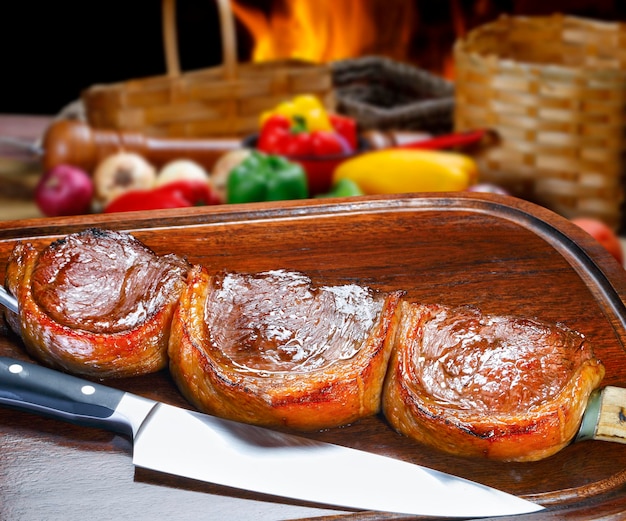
(346, 127)
(177, 194)
(457, 139)
(196, 191)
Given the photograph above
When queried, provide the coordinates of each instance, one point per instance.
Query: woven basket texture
(219, 101)
(384, 94)
(554, 90)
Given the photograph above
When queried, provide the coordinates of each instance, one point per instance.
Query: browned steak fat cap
(491, 386)
(96, 303)
(271, 349)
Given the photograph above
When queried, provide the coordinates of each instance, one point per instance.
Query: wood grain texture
(500, 253)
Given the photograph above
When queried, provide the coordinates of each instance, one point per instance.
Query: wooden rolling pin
(78, 144)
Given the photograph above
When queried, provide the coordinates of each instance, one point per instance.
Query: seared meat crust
(95, 303)
(491, 386)
(272, 350)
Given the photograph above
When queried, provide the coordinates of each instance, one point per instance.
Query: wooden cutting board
(499, 253)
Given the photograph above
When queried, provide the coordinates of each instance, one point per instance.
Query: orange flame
(324, 30)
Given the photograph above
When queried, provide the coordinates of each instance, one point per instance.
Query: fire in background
(414, 31)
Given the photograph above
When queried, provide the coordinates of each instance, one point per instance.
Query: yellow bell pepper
(305, 106)
(409, 170)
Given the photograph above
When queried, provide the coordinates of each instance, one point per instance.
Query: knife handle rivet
(88, 390)
(15, 368)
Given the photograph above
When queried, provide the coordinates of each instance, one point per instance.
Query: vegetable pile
(125, 186)
(302, 150)
(124, 182)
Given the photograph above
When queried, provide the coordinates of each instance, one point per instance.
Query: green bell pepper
(266, 177)
(342, 188)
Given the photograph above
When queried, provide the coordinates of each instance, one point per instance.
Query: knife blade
(194, 445)
(19, 148)
(8, 301)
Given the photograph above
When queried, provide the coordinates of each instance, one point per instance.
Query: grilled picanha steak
(271, 349)
(500, 387)
(95, 303)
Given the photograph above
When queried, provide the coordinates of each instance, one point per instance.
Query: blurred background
(54, 50)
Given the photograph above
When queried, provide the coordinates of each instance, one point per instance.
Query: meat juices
(96, 303)
(500, 387)
(271, 349)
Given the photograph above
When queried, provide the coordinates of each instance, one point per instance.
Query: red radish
(64, 190)
(603, 234)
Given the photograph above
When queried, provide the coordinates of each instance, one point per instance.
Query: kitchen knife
(202, 447)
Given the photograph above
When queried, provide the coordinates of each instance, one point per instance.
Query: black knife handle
(37, 389)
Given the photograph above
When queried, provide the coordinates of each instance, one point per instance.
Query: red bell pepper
(346, 127)
(298, 144)
(177, 194)
(280, 135)
(274, 133)
(325, 143)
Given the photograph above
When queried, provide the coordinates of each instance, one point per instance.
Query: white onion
(120, 173)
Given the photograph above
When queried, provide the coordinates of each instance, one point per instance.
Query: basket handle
(229, 42)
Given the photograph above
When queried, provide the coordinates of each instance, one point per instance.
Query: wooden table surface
(500, 254)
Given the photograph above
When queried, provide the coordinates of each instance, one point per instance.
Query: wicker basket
(554, 90)
(220, 101)
(382, 94)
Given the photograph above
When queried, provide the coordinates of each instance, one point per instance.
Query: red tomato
(603, 234)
